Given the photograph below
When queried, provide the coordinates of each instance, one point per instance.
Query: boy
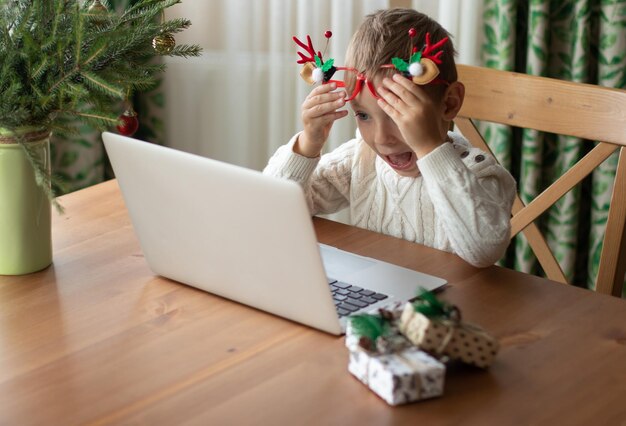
(404, 174)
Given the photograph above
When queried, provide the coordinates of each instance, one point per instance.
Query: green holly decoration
(428, 305)
(325, 66)
(416, 57)
(328, 65)
(369, 326)
(400, 64)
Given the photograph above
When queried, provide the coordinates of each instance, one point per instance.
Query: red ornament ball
(412, 32)
(129, 123)
(328, 34)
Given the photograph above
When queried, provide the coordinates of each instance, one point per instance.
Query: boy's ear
(453, 100)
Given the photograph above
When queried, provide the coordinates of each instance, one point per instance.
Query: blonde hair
(385, 34)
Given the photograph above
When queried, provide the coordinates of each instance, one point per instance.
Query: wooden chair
(581, 110)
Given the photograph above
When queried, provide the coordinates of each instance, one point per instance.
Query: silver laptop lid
(227, 230)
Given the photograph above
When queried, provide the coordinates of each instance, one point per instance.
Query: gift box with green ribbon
(385, 361)
(436, 327)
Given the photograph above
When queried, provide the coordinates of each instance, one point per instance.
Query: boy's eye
(361, 116)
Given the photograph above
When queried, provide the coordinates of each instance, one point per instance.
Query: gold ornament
(97, 8)
(164, 43)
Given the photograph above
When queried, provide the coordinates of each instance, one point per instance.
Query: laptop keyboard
(350, 298)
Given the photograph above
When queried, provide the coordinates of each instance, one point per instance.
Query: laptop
(247, 237)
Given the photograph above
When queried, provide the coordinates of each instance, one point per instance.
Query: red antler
(308, 49)
(431, 48)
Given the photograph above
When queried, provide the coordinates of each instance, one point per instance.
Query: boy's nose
(385, 135)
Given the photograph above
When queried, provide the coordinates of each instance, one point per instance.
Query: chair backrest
(581, 110)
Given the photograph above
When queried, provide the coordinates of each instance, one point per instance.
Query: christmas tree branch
(149, 8)
(95, 54)
(101, 119)
(78, 31)
(185, 51)
(62, 59)
(97, 83)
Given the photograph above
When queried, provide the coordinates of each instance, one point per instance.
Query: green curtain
(80, 160)
(576, 40)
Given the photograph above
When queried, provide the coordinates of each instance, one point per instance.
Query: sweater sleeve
(472, 196)
(325, 179)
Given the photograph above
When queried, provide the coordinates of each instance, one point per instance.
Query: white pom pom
(416, 69)
(317, 75)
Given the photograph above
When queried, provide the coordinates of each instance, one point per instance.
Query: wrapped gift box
(401, 377)
(457, 340)
(401, 374)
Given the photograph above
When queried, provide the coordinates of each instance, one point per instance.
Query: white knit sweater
(461, 203)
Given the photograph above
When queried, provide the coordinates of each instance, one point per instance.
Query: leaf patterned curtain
(80, 160)
(576, 40)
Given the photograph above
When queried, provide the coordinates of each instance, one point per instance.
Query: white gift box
(404, 375)
(400, 377)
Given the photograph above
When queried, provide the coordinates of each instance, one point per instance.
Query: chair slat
(612, 260)
(544, 104)
(544, 255)
(561, 186)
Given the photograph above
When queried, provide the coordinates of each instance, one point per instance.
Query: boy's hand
(417, 116)
(319, 112)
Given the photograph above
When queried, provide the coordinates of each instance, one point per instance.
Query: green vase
(25, 236)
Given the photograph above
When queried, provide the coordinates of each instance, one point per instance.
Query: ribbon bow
(430, 306)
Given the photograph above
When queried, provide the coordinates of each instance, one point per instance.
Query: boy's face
(382, 135)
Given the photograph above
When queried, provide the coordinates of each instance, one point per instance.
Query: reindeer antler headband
(321, 71)
(421, 67)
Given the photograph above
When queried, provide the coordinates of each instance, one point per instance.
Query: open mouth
(401, 161)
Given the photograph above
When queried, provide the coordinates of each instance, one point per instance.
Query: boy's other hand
(416, 114)
(319, 112)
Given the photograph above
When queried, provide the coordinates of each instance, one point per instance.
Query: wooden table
(98, 339)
